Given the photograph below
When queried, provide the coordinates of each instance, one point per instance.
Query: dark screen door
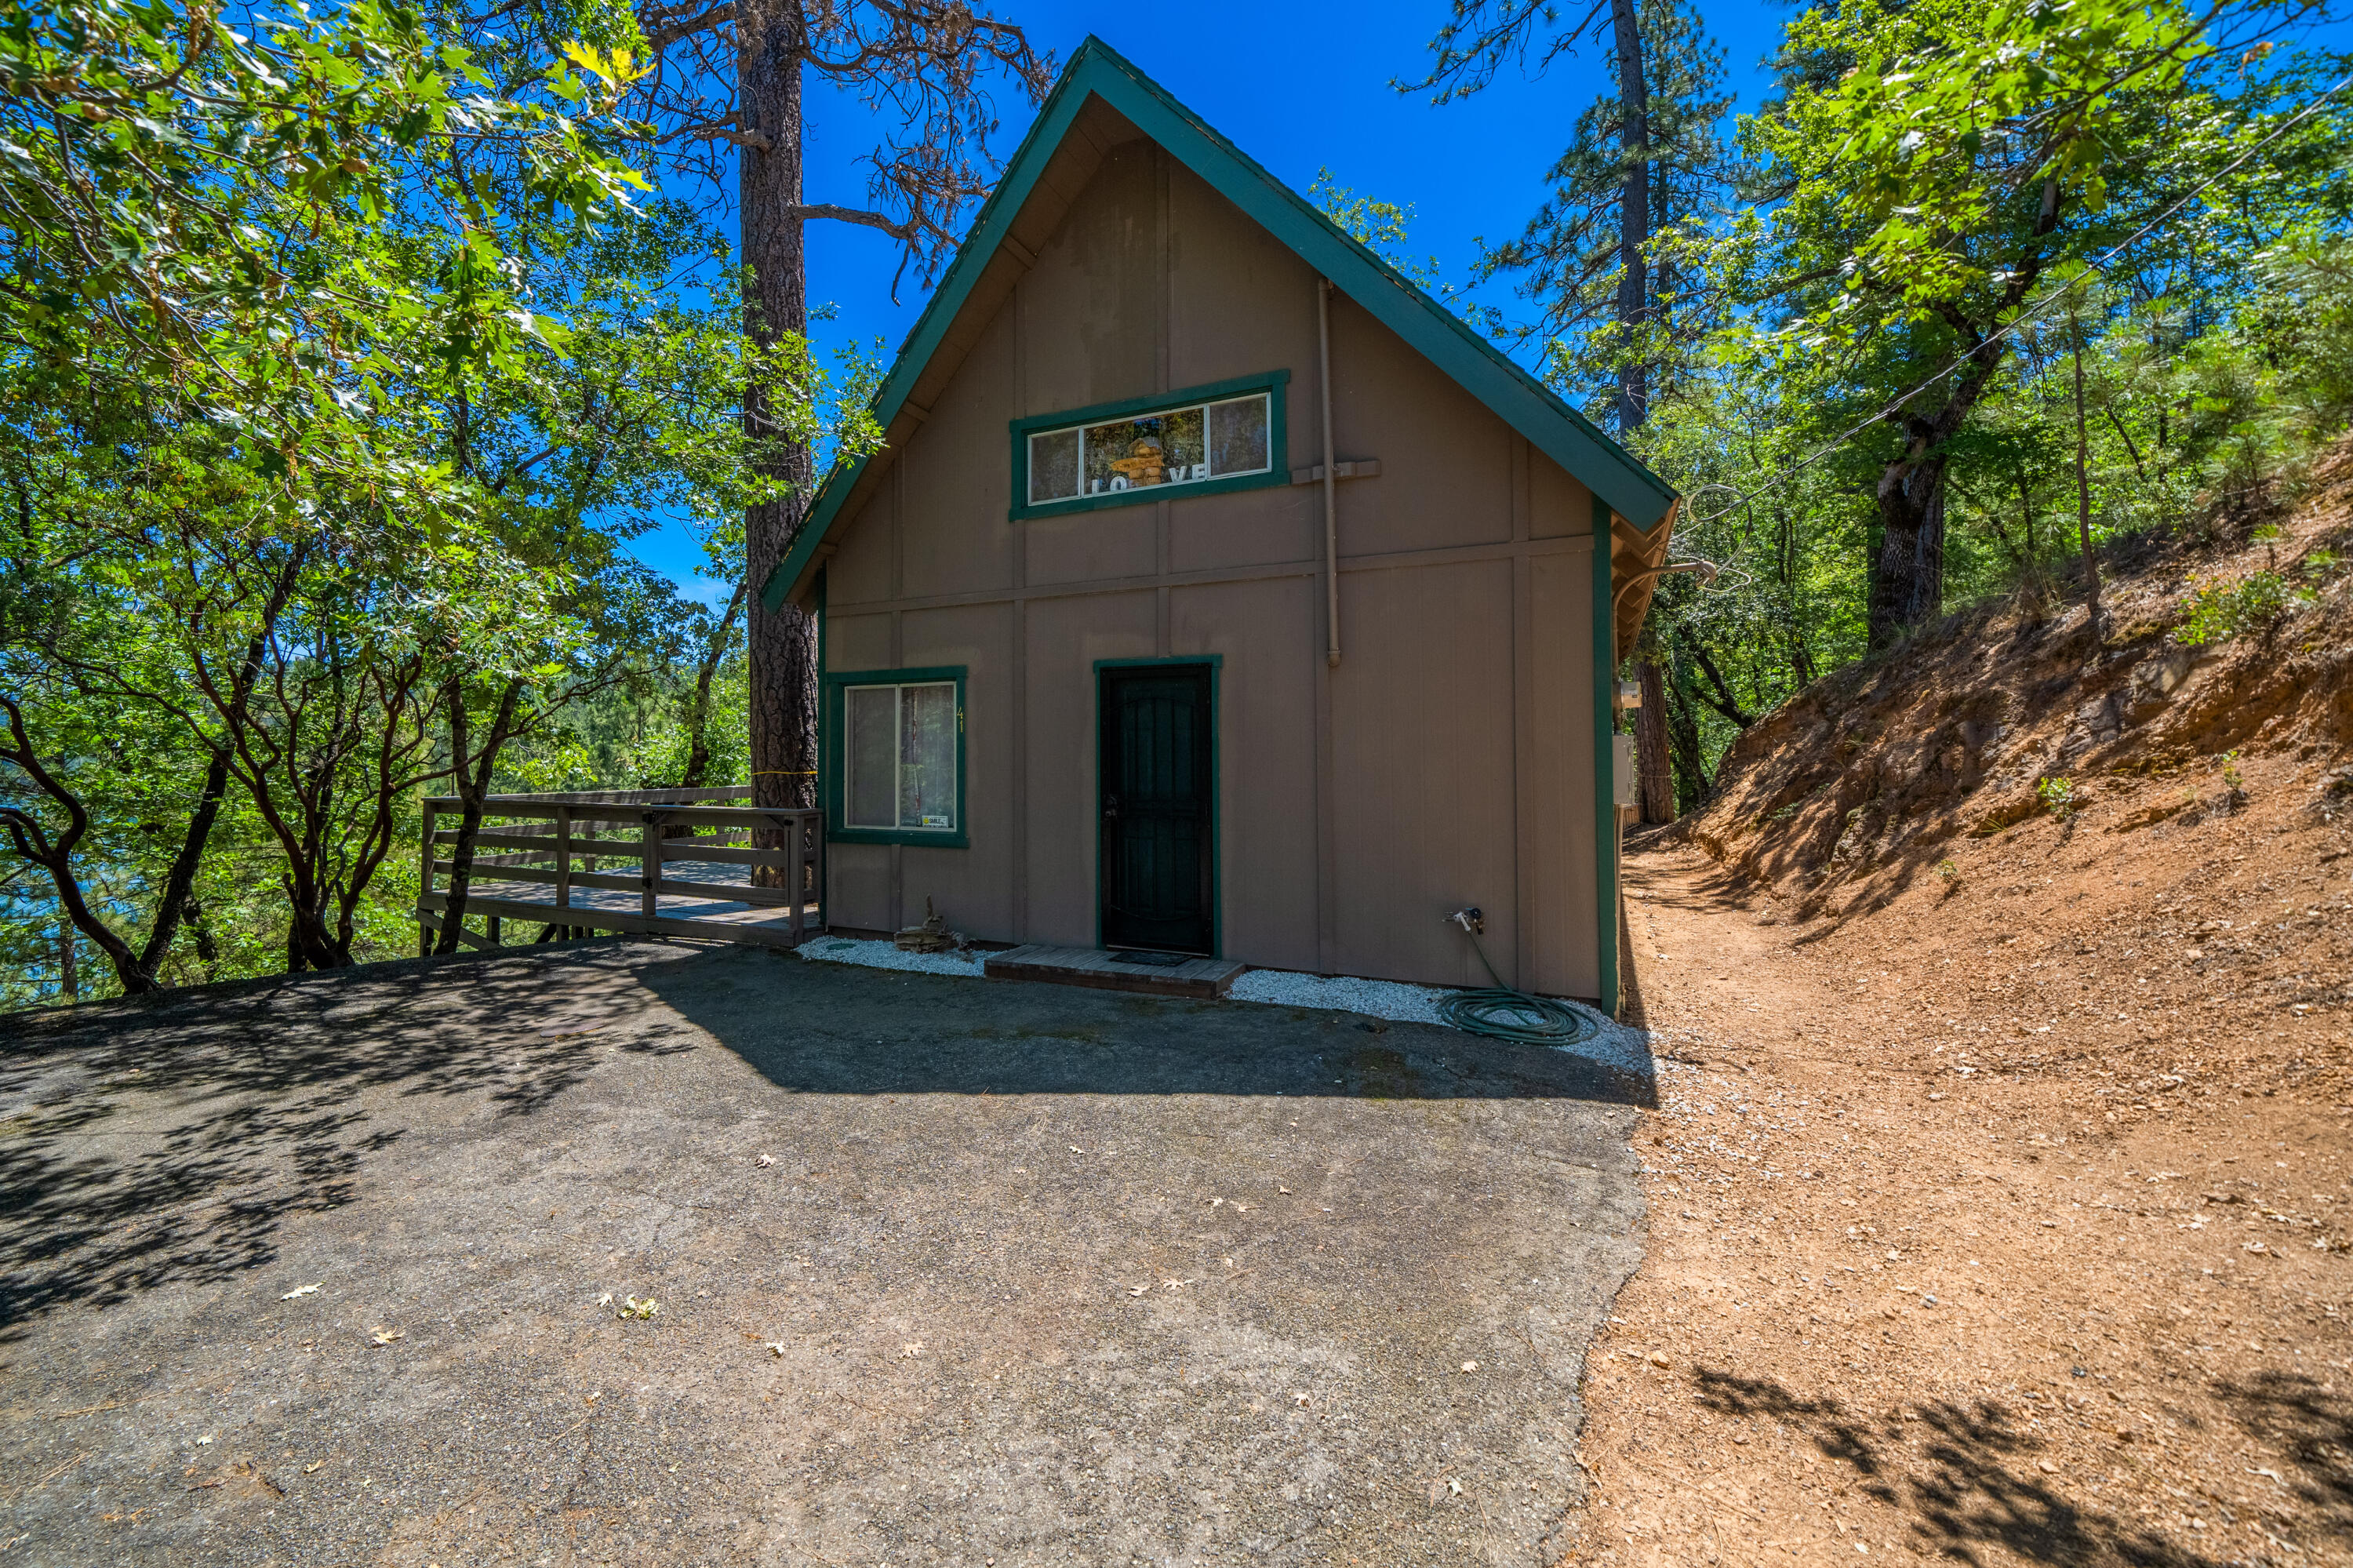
(1159, 840)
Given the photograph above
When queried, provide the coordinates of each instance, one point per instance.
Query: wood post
(564, 857)
(794, 869)
(649, 863)
(425, 887)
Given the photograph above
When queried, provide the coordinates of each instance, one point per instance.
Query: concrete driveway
(947, 1271)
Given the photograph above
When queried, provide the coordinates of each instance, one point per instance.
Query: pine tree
(1644, 159)
(729, 73)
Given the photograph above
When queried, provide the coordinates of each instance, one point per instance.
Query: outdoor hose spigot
(1471, 918)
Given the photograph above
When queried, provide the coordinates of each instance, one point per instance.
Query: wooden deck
(1196, 976)
(679, 914)
(537, 856)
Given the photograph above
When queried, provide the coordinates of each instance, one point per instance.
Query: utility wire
(2019, 320)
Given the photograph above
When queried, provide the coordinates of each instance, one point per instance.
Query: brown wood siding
(1446, 461)
(962, 454)
(1266, 634)
(1556, 750)
(1066, 636)
(863, 568)
(1422, 748)
(1558, 506)
(1098, 294)
(1447, 760)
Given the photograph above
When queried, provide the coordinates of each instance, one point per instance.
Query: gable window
(896, 740)
(1224, 437)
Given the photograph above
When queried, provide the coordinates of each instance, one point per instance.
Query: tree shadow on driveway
(947, 1269)
(847, 1030)
(166, 1141)
(1965, 1476)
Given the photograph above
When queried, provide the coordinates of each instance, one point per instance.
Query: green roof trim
(1522, 401)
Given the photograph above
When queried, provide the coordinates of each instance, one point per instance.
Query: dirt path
(1947, 1261)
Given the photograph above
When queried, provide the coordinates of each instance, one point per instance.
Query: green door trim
(1217, 664)
(1505, 388)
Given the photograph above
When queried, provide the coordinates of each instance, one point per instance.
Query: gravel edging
(876, 954)
(1613, 1045)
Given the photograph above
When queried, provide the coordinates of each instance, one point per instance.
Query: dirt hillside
(1999, 1185)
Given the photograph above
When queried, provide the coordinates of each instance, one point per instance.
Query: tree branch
(671, 23)
(1722, 700)
(26, 837)
(901, 232)
(726, 130)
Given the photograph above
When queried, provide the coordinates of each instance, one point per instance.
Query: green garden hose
(1503, 1013)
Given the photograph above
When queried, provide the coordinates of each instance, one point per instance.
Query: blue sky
(1308, 89)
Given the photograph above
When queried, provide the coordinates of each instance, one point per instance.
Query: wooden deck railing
(556, 843)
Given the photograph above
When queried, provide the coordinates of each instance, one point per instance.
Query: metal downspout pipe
(1331, 477)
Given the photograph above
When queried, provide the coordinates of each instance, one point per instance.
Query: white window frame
(898, 690)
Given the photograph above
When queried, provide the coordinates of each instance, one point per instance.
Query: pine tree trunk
(1634, 203)
(1907, 582)
(1653, 756)
(782, 643)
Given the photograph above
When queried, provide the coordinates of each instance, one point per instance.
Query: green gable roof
(1516, 398)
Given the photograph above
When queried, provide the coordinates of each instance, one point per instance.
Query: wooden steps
(1196, 976)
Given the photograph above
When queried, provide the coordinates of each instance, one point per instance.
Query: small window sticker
(935, 821)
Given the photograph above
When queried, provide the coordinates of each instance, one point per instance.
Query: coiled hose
(1503, 1013)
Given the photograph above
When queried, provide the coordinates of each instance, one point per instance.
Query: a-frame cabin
(1108, 660)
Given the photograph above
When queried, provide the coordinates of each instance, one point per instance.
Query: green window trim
(833, 763)
(1277, 470)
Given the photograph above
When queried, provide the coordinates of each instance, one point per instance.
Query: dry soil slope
(1998, 1186)
(1850, 792)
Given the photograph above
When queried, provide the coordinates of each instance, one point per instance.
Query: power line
(2030, 312)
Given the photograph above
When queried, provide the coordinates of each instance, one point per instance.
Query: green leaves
(207, 204)
(379, 365)
(1956, 139)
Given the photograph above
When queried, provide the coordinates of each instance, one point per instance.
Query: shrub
(2059, 796)
(2218, 611)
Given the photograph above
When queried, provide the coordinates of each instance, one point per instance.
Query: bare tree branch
(670, 23)
(901, 232)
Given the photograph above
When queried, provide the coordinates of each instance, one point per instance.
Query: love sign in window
(1192, 443)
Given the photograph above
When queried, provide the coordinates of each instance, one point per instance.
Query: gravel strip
(1612, 1045)
(876, 954)
(1392, 1000)
(1615, 1045)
